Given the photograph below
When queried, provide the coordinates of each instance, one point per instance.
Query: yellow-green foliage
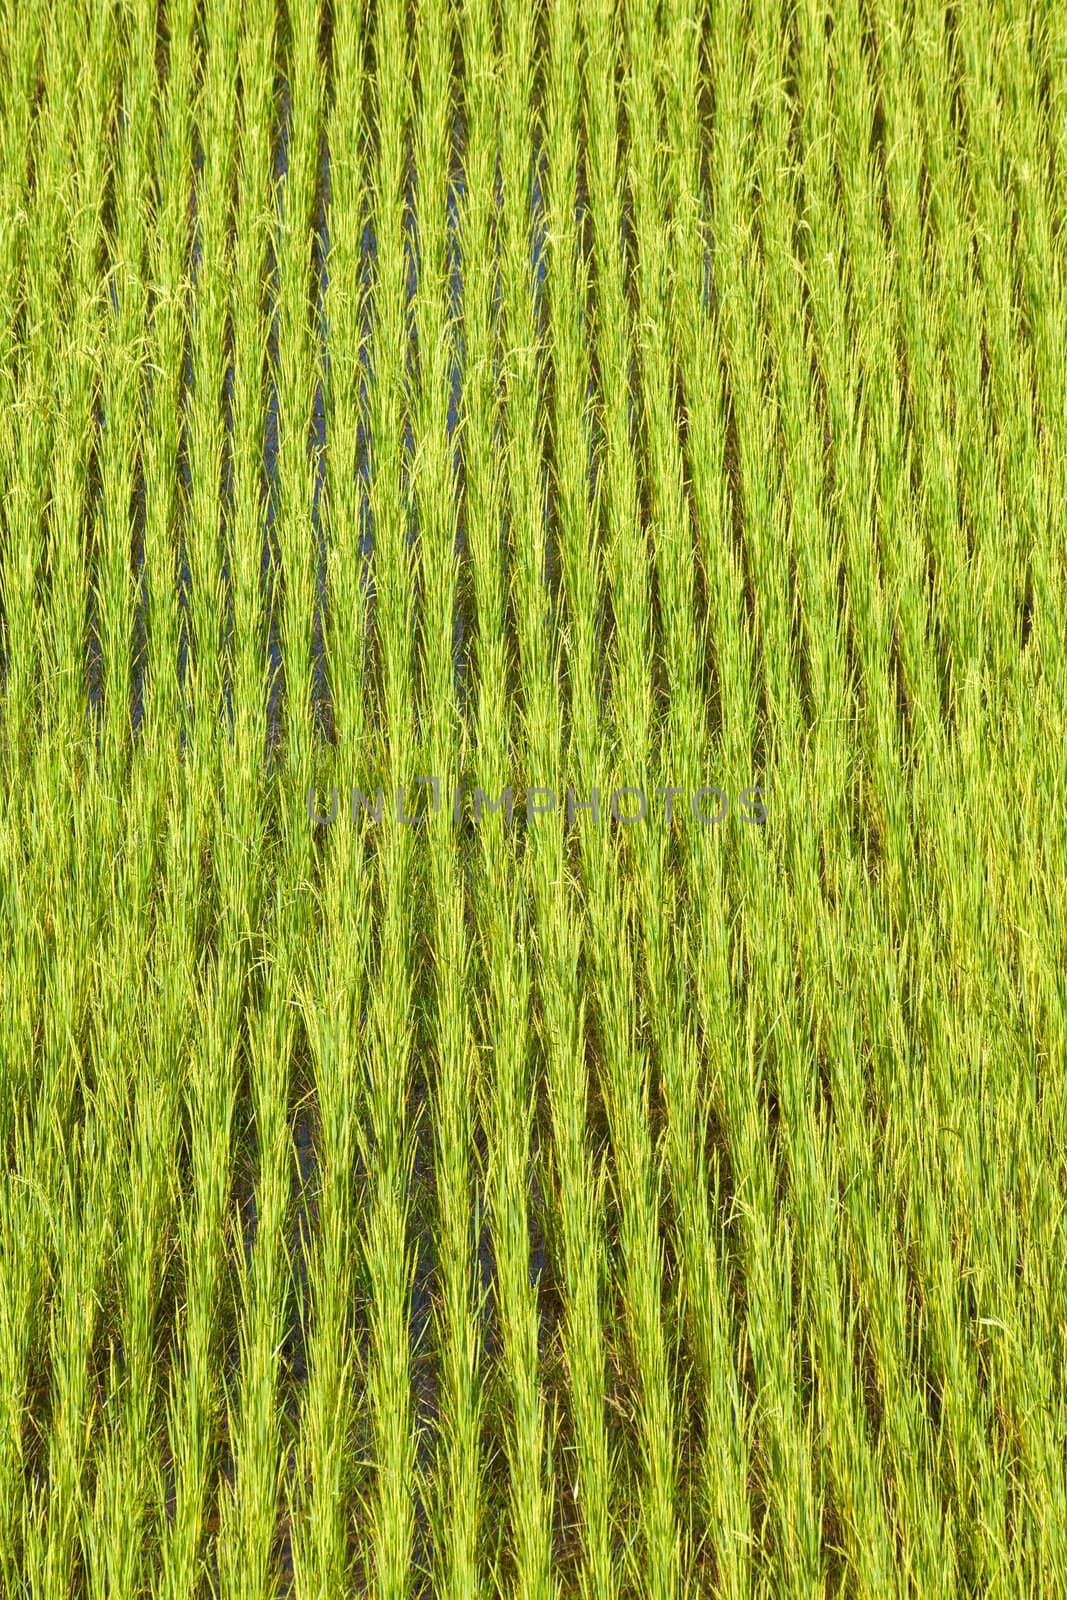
(521, 394)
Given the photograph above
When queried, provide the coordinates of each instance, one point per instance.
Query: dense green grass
(592, 397)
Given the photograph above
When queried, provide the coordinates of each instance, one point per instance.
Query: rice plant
(532, 708)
